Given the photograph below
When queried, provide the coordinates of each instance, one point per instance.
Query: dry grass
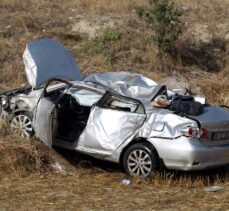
(22, 21)
(27, 180)
(20, 157)
(93, 184)
(104, 191)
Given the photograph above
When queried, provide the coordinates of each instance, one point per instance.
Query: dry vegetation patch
(201, 52)
(20, 157)
(27, 179)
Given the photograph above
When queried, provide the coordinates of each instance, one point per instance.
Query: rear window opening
(123, 105)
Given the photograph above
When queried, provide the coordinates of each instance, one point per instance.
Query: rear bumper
(188, 154)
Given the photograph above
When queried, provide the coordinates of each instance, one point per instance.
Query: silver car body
(119, 113)
(109, 131)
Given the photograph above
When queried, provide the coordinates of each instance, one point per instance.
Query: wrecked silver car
(110, 116)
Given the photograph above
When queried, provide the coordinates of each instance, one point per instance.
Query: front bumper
(189, 154)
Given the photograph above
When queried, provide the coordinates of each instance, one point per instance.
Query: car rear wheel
(140, 160)
(23, 122)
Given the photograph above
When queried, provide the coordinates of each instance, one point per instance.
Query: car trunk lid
(216, 120)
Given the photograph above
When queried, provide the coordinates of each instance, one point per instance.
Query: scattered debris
(214, 188)
(57, 166)
(126, 182)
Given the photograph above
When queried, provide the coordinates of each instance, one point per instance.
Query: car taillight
(190, 132)
(203, 133)
(195, 132)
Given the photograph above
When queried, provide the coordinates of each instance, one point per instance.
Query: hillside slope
(108, 35)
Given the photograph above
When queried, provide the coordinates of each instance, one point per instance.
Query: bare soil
(93, 190)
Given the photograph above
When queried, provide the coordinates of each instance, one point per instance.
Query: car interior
(71, 118)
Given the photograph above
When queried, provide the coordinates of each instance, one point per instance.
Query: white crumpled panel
(164, 125)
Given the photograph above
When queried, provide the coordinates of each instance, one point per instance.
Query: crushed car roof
(45, 59)
(128, 84)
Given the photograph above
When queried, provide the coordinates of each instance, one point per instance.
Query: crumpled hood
(45, 59)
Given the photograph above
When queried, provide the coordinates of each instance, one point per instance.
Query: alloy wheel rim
(24, 124)
(139, 163)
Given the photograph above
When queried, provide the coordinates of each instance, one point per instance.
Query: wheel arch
(20, 111)
(136, 141)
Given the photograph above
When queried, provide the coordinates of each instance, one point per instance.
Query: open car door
(112, 120)
(45, 114)
(42, 121)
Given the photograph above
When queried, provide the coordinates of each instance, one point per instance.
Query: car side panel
(107, 129)
(185, 153)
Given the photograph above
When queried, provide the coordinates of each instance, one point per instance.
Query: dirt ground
(104, 191)
(35, 177)
(85, 183)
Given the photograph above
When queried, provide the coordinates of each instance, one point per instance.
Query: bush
(164, 21)
(104, 45)
(110, 35)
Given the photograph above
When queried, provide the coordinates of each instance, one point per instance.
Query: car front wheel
(23, 122)
(140, 160)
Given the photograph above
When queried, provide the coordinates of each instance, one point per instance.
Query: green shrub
(110, 35)
(104, 45)
(164, 21)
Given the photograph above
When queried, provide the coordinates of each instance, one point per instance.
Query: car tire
(23, 122)
(140, 160)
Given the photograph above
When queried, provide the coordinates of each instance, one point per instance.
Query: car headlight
(4, 102)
